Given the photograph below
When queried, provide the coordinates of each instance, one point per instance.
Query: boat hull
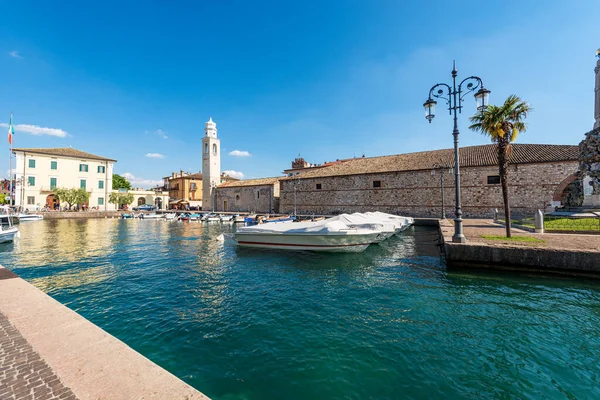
(8, 235)
(30, 217)
(346, 242)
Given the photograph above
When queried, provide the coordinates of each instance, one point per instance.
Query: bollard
(495, 211)
(539, 221)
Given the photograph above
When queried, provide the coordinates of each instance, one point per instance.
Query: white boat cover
(390, 217)
(358, 220)
(319, 227)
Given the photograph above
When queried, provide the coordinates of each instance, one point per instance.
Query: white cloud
(239, 153)
(38, 130)
(141, 182)
(234, 174)
(15, 54)
(161, 133)
(154, 155)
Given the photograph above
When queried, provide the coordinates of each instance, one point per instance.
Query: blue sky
(324, 79)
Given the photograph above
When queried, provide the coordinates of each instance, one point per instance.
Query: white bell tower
(211, 165)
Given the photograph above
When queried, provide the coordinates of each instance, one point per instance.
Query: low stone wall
(81, 214)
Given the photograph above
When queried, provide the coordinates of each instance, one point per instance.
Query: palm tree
(503, 124)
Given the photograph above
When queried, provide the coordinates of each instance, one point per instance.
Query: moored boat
(282, 218)
(226, 218)
(213, 218)
(9, 232)
(170, 216)
(330, 236)
(30, 217)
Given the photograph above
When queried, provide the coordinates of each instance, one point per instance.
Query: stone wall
(418, 193)
(258, 198)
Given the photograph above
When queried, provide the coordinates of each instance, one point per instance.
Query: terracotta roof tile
(473, 156)
(64, 152)
(251, 182)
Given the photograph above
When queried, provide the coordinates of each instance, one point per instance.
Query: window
(53, 165)
(206, 148)
(319, 186)
(376, 184)
(52, 183)
(100, 201)
(237, 197)
(101, 169)
(192, 186)
(82, 183)
(214, 149)
(31, 180)
(493, 180)
(83, 168)
(30, 199)
(258, 194)
(31, 163)
(100, 184)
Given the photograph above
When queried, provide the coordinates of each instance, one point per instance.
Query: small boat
(127, 216)
(152, 216)
(238, 219)
(184, 217)
(330, 236)
(226, 218)
(170, 216)
(195, 217)
(8, 233)
(30, 217)
(213, 218)
(283, 218)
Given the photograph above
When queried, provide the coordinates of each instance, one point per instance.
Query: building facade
(211, 163)
(157, 198)
(249, 196)
(184, 189)
(410, 184)
(39, 172)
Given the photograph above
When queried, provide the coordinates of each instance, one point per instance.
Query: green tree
(503, 124)
(119, 182)
(120, 198)
(81, 196)
(3, 199)
(66, 196)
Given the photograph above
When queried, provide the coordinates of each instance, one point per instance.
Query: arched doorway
(141, 201)
(52, 201)
(158, 203)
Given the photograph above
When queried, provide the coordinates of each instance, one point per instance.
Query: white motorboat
(30, 217)
(238, 219)
(213, 218)
(331, 236)
(226, 218)
(170, 216)
(152, 216)
(8, 233)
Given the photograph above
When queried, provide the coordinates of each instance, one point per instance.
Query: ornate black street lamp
(441, 169)
(453, 96)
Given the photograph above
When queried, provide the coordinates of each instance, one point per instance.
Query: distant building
(39, 172)
(184, 188)
(252, 195)
(407, 183)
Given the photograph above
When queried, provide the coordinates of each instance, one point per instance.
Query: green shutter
(82, 183)
(31, 163)
(53, 165)
(31, 180)
(100, 184)
(52, 183)
(100, 201)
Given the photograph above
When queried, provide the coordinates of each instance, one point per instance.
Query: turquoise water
(391, 322)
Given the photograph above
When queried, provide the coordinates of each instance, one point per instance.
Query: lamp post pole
(453, 96)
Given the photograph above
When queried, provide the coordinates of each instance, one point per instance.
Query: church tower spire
(211, 165)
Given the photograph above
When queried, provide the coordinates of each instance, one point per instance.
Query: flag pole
(10, 177)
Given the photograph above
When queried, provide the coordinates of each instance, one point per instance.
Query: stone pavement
(23, 373)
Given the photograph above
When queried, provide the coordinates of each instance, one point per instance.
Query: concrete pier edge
(88, 360)
(477, 255)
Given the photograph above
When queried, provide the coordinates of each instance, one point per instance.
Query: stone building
(404, 183)
(252, 195)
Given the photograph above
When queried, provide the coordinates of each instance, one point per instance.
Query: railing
(567, 223)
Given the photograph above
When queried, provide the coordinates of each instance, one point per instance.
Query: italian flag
(11, 130)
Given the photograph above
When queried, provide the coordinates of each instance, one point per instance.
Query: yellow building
(186, 189)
